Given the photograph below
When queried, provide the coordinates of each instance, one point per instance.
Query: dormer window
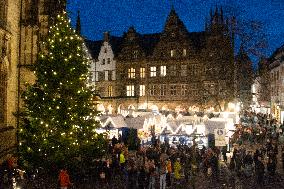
(173, 53)
(105, 50)
(103, 61)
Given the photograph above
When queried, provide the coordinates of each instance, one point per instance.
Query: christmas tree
(58, 118)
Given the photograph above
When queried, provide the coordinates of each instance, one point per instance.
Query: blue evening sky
(148, 16)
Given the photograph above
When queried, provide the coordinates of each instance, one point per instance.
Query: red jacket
(64, 179)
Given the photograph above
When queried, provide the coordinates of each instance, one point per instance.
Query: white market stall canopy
(218, 123)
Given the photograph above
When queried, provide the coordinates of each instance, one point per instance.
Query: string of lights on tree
(58, 119)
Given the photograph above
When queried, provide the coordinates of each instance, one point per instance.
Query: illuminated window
(183, 70)
(142, 72)
(184, 52)
(173, 90)
(173, 53)
(163, 90)
(183, 90)
(113, 75)
(109, 91)
(163, 71)
(142, 90)
(153, 72)
(131, 73)
(130, 90)
(106, 75)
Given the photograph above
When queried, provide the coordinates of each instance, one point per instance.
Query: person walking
(282, 157)
(163, 172)
(177, 170)
(132, 174)
(259, 171)
(224, 154)
(142, 178)
(152, 173)
(169, 172)
(214, 166)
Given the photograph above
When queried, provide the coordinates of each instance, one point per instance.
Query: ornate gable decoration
(131, 48)
(174, 41)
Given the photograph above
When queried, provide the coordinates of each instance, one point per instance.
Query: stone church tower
(23, 25)
(9, 36)
(36, 16)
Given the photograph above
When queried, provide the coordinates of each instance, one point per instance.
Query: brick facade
(172, 69)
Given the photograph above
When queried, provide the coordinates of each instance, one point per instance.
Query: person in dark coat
(271, 166)
(214, 166)
(282, 157)
(224, 153)
(142, 182)
(132, 175)
(259, 171)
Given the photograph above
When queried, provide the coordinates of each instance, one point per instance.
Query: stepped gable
(94, 47)
(131, 45)
(174, 24)
(175, 36)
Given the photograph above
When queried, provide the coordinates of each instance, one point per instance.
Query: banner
(220, 137)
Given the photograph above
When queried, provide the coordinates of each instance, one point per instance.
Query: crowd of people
(255, 147)
(157, 166)
(256, 128)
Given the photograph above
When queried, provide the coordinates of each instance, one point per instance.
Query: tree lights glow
(53, 119)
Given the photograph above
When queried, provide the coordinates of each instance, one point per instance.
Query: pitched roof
(276, 52)
(148, 42)
(115, 43)
(173, 22)
(95, 46)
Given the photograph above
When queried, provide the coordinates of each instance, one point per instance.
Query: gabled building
(276, 67)
(172, 70)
